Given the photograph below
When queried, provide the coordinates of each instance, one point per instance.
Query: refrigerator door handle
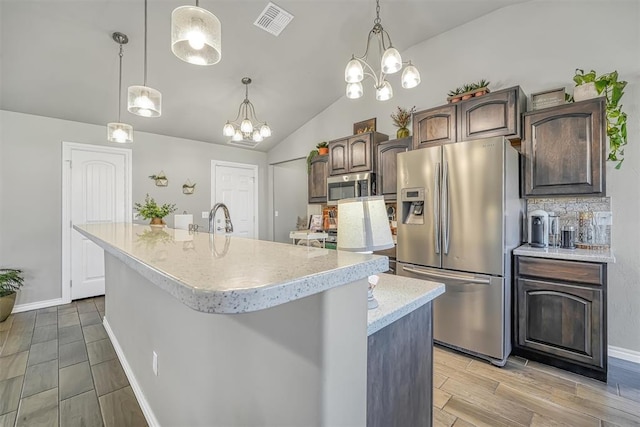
(436, 207)
(445, 206)
(446, 276)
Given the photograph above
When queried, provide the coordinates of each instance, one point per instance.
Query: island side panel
(400, 372)
(279, 366)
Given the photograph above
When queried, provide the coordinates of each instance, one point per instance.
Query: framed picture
(315, 223)
(549, 98)
(364, 126)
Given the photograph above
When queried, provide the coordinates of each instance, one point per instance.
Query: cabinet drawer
(572, 271)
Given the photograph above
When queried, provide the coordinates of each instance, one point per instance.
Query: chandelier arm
(372, 72)
(255, 116)
(384, 33)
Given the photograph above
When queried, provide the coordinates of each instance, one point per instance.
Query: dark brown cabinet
(318, 173)
(493, 114)
(386, 169)
(564, 150)
(354, 154)
(560, 314)
(434, 126)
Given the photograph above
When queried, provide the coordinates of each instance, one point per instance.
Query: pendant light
(118, 131)
(246, 125)
(390, 62)
(143, 100)
(196, 35)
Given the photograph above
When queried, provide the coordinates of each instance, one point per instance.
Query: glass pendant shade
(354, 90)
(196, 35)
(265, 131)
(410, 77)
(119, 132)
(257, 137)
(384, 92)
(228, 129)
(237, 136)
(353, 72)
(144, 101)
(391, 61)
(246, 126)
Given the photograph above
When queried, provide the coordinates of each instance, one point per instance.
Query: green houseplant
(613, 89)
(310, 157)
(323, 148)
(150, 210)
(11, 281)
(401, 119)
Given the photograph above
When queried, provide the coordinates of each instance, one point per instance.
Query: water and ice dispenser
(412, 208)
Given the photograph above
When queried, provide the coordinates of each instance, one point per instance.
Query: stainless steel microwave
(349, 186)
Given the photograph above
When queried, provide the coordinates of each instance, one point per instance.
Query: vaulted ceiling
(58, 58)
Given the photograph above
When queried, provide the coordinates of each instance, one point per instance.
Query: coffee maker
(538, 229)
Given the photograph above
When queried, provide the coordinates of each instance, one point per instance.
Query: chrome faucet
(228, 226)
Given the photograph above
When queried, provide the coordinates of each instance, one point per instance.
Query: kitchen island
(218, 330)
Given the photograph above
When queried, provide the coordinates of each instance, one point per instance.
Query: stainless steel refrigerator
(460, 218)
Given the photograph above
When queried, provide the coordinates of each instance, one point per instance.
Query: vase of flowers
(151, 211)
(401, 119)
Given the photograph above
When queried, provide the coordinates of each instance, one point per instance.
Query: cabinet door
(338, 157)
(359, 153)
(493, 114)
(437, 125)
(561, 320)
(318, 179)
(386, 170)
(564, 150)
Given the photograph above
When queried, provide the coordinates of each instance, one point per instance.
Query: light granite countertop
(567, 254)
(223, 274)
(398, 296)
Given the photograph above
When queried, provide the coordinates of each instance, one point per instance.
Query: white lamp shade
(144, 101)
(237, 136)
(265, 131)
(354, 90)
(257, 137)
(384, 92)
(119, 132)
(391, 61)
(410, 77)
(228, 129)
(363, 225)
(353, 72)
(196, 35)
(246, 126)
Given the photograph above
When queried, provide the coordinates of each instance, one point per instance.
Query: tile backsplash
(568, 210)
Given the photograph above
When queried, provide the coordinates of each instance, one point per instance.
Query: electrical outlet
(276, 213)
(154, 365)
(205, 215)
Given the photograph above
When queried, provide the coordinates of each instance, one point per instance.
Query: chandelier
(196, 35)
(250, 128)
(143, 100)
(118, 131)
(390, 62)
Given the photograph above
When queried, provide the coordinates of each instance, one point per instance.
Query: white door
(98, 191)
(235, 186)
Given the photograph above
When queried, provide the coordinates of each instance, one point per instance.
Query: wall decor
(160, 179)
(188, 187)
(364, 126)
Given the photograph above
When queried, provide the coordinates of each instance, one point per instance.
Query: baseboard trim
(37, 305)
(624, 354)
(144, 405)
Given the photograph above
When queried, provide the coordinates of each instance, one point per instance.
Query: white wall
(536, 45)
(31, 191)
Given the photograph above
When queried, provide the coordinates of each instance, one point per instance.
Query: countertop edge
(243, 301)
(566, 254)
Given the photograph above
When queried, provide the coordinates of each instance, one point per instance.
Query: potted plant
(613, 89)
(455, 95)
(401, 119)
(160, 179)
(481, 88)
(466, 91)
(11, 281)
(188, 187)
(310, 157)
(150, 210)
(323, 148)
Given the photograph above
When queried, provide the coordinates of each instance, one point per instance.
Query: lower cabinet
(560, 314)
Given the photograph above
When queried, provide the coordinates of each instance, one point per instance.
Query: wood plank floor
(58, 368)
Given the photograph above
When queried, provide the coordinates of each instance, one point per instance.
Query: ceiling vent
(244, 143)
(273, 19)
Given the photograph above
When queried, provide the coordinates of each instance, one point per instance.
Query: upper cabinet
(436, 125)
(318, 172)
(386, 170)
(354, 154)
(493, 114)
(564, 150)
